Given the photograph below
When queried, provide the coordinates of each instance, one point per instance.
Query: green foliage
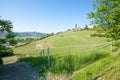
(106, 16)
(97, 35)
(4, 51)
(11, 38)
(6, 37)
(101, 70)
(68, 63)
(26, 40)
(5, 25)
(86, 27)
(117, 44)
(58, 33)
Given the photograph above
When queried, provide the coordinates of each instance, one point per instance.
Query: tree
(106, 16)
(86, 27)
(6, 38)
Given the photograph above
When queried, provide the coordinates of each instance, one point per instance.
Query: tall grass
(67, 63)
(102, 70)
(62, 60)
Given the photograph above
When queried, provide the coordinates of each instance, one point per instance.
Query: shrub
(5, 51)
(97, 35)
(58, 33)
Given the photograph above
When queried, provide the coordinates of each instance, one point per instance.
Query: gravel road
(17, 71)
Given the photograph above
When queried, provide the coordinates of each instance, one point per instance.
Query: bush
(97, 35)
(117, 44)
(58, 32)
(5, 51)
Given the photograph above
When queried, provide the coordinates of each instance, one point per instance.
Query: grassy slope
(105, 69)
(69, 38)
(72, 38)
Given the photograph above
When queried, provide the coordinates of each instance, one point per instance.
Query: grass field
(74, 53)
(104, 69)
(65, 39)
(66, 63)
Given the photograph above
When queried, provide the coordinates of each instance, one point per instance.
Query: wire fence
(46, 54)
(45, 57)
(62, 50)
(59, 50)
(79, 48)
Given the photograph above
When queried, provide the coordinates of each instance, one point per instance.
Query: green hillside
(75, 54)
(71, 38)
(68, 38)
(104, 69)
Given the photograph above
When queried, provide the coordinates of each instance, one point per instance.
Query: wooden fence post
(48, 56)
(42, 53)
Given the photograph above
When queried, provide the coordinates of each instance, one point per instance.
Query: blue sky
(45, 15)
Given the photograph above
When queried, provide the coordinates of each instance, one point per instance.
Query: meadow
(104, 69)
(65, 39)
(72, 53)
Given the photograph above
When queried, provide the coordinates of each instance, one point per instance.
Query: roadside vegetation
(104, 69)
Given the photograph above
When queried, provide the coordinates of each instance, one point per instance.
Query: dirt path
(17, 71)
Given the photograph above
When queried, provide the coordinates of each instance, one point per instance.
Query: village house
(90, 26)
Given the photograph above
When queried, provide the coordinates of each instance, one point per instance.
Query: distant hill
(25, 34)
(29, 34)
